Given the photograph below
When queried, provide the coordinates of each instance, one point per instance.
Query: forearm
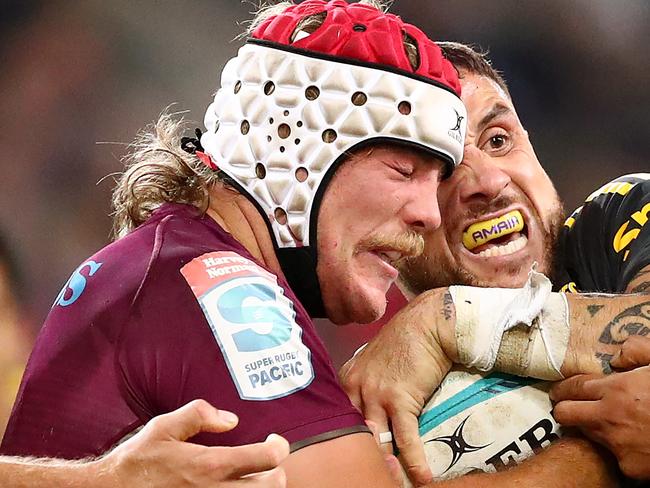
(28, 473)
(599, 324)
(567, 463)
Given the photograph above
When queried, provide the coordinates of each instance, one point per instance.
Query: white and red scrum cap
(293, 102)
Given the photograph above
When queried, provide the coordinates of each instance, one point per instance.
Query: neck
(237, 216)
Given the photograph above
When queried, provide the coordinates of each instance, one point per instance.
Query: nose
(482, 178)
(422, 213)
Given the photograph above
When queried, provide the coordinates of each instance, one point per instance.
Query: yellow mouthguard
(481, 232)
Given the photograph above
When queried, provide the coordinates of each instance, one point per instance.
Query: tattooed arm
(397, 371)
(641, 283)
(391, 378)
(614, 410)
(600, 324)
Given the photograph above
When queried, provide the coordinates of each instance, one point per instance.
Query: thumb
(634, 352)
(187, 421)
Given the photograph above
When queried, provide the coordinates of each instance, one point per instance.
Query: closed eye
(405, 170)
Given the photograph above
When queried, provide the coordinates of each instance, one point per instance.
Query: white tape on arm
(523, 331)
(479, 313)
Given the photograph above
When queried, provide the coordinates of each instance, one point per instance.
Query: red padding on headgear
(206, 160)
(382, 41)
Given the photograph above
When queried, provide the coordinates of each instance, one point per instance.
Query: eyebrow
(496, 111)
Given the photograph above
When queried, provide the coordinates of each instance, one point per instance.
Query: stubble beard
(424, 273)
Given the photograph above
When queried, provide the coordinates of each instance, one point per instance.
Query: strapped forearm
(562, 335)
(522, 331)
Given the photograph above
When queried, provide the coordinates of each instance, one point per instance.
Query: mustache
(408, 243)
(476, 210)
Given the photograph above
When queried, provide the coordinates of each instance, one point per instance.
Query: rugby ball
(484, 422)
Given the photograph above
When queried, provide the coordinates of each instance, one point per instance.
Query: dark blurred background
(78, 74)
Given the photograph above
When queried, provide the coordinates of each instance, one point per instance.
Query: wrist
(439, 322)
(104, 473)
(446, 331)
(523, 331)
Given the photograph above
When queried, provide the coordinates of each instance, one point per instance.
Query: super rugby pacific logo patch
(254, 324)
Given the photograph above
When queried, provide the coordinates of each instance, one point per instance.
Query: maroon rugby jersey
(176, 310)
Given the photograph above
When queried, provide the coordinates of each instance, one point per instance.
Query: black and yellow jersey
(606, 241)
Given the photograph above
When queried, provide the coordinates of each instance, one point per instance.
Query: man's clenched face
(371, 217)
(500, 211)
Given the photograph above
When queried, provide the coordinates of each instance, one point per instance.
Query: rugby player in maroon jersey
(324, 146)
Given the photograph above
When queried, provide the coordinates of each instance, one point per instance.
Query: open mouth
(392, 258)
(500, 236)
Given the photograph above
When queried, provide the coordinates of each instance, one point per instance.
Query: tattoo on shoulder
(641, 283)
(448, 303)
(632, 321)
(641, 287)
(604, 361)
(594, 309)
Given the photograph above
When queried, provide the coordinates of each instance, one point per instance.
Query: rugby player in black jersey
(500, 214)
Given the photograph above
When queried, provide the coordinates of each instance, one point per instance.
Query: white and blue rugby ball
(484, 422)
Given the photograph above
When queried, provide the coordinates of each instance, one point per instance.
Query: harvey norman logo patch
(253, 323)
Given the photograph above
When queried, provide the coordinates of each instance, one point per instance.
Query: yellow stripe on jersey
(572, 219)
(620, 187)
(570, 287)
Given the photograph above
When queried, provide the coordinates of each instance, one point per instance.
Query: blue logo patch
(254, 324)
(254, 305)
(76, 285)
(255, 327)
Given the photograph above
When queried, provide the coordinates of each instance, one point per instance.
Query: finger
(594, 434)
(374, 430)
(275, 478)
(343, 370)
(187, 421)
(351, 388)
(253, 458)
(376, 415)
(580, 387)
(577, 413)
(411, 448)
(634, 352)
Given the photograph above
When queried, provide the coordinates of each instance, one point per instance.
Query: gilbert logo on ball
(484, 422)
